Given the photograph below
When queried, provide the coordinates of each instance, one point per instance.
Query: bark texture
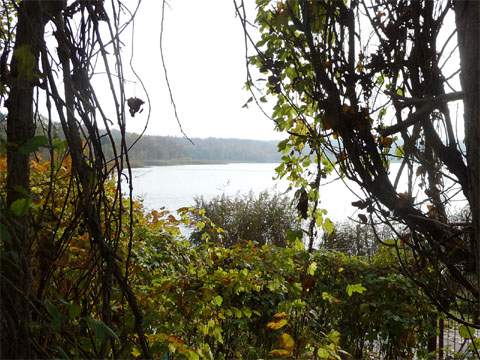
(16, 283)
(467, 15)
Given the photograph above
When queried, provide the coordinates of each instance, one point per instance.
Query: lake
(176, 186)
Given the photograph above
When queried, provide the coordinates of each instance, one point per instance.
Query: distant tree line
(169, 150)
(158, 150)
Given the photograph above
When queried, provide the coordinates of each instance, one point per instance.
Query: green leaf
(294, 235)
(102, 331)
(135, 352)
(25, 62)
(466, 331)
(59, 144)
(4, 233)
(312, 268)
(328, 226)
(247, 312)
(217, 300)
(200, 225)
(323, 353)
(33, 144)
(63, 354)
(399, 151)
(73, 311)
(355, 288)
(380, 80)
(20, 206)
(282, 144)
(56, 316)
(238, 313)
(334, 337)
(382, 113)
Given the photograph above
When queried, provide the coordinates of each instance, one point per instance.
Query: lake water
(177, 186)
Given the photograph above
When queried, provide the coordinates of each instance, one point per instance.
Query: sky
(204, 54)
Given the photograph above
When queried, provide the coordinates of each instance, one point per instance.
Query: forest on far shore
(170, 150)
(152, 150)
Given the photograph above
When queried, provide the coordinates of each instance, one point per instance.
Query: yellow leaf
(175, 341)
(135, 352)
(280, 353)
(386, 141)
(275, 325)
(280, 315)
(286, 342)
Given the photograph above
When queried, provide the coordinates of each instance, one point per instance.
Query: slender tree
(85, 34)
(16, 275)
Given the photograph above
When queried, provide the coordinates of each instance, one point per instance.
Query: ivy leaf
(33, 144)
(20, 206)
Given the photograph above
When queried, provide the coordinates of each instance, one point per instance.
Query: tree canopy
(354, 79)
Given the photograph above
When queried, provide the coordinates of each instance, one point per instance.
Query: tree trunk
(467, 14)
(16, 283)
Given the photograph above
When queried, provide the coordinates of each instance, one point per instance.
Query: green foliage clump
(264, 219)
(211, 299)
(249, 301)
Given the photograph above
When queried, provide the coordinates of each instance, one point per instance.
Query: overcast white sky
(204, 53)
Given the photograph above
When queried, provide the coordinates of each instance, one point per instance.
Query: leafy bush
(264, 219)
(353, 239)
(239, 302)
(205, 300)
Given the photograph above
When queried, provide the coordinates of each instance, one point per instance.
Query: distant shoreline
(173, 162)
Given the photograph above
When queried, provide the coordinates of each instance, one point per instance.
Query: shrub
(265, 219)
(238, 302)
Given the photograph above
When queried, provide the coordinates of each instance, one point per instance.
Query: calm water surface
(177, 186)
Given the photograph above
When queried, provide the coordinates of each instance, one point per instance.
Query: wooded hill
(170, 150)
